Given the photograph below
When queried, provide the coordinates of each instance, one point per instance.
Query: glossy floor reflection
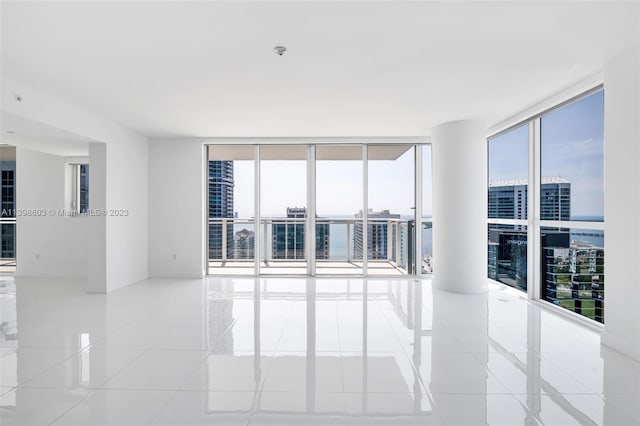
(242, 351)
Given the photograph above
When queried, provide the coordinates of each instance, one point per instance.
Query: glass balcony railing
(338, 242)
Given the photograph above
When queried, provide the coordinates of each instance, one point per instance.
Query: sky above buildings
(338, 186)
(571, 147)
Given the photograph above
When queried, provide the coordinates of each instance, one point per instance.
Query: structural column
(459, 164)
(622, 203)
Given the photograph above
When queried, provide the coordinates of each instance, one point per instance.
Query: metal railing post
(365, 211)
(390, 241)
(264, 240)
(348, 242)
(224, 239)
(398, 258)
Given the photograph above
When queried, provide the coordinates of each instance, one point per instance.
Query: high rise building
(508, 257)
(376, 234)
(288, 237)
(508, 199)
(507, 254)
(243, 244)
(220, 206)
(555, 199)
(573, 273)
(8, 202)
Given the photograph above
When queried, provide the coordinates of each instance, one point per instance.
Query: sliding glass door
(316, 210)
(230, 207)
(391, 210)
(283, 209)
(339, 203)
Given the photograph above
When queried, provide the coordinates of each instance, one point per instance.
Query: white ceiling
(207, 69)
(40, 137)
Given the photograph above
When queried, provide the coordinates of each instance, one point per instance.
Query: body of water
(338, 241)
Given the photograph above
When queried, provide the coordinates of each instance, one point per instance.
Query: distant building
(288, 237)
(573, 273)
(508, 199)
(508, 257)
(243, 244)
(507, 246)
(84, 188)
(220, 206)
(376, 234)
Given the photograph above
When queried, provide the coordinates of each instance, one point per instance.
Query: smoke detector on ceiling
(280, 50)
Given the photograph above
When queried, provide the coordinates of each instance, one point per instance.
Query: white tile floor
(241, 351)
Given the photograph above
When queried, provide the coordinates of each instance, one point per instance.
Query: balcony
(339, 246)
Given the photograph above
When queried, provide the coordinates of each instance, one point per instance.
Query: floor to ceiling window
(231, 227)
(339, 183)
(571, 192)
(427, 212)
(562, 152)
(508, 172)
(311, 207)
(283, 209)
(391, 209)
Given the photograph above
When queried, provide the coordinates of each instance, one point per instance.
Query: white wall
(50, 245)
(97, 282)
(119, 251)
(126, 189)
(622, 203)
(177, 208)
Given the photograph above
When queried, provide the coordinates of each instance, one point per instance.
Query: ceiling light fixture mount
(280, 50)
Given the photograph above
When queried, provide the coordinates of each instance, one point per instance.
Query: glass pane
(508, 255)
(572, 264)
(427, 212)
(508, 174)
(7, 210)
(338, 199)
(391, 211)
(283, 200)
(84, 188)
(230, 178)
(572, 163)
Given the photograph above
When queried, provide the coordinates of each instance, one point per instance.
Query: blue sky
(572, 147)
(339, 186)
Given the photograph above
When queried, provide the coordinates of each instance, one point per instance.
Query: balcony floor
(375, 268)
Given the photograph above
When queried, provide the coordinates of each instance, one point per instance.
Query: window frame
(534, 222)
(74, 203)
(416, 143)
